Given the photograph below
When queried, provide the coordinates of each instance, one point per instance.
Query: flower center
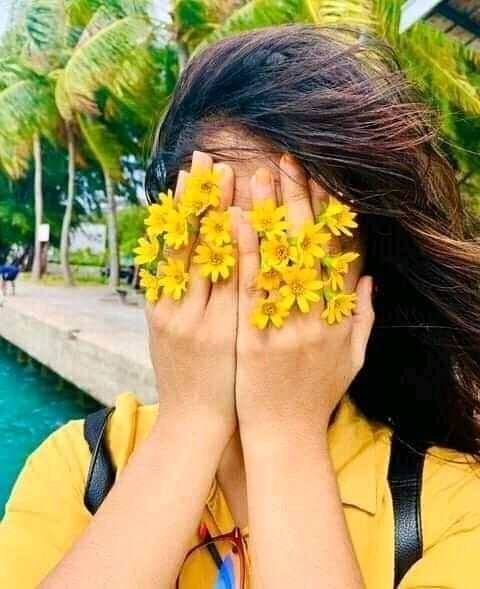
(266, 223)
(297, 287)
(178, 277)
(269, 309)
(281, 252)
(206, 187)
(216, 259)
(218, 227)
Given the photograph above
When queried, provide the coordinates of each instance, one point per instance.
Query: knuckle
(251, 290)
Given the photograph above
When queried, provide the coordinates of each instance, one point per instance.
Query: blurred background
(82, 85)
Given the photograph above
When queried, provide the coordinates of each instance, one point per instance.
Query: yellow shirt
(45, 513)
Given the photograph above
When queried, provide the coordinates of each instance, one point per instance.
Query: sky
(5, 11)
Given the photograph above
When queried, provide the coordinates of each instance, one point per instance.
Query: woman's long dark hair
(340, 104)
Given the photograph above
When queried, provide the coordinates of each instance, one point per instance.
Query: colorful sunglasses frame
(208, 542)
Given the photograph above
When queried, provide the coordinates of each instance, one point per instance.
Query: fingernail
(263, 176)
(290, 163)
(224, 169)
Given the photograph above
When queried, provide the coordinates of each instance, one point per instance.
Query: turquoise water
(33, 402)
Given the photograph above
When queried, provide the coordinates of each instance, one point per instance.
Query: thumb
(363, 319)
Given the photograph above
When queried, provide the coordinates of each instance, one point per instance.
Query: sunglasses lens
(216, 565)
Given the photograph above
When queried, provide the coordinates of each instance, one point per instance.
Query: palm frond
(437, 58)
(45, 29)
(102, 144)
(257, 14)
(98, 62)
(101, 18)
(134, 7)
(354, 13)
(194, 20)
(25, 109)
(61, 95)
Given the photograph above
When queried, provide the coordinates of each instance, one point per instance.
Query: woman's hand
(291, 379)
(192, 341)
(288, 383)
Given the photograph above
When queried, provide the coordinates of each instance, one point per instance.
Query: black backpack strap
(405, 480)
(101, 474)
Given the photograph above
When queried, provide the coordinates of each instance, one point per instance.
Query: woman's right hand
(192, 341)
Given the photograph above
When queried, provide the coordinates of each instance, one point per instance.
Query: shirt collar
(359, 458)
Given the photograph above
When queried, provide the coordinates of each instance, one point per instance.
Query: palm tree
(81, 64)
(27, 112)
(99, 62)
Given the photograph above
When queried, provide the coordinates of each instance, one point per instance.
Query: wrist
(287, 438)
(192, 422)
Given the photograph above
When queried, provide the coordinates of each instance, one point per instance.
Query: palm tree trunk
(112, 233)
(37, 255)
(67, 217)
(182, 54)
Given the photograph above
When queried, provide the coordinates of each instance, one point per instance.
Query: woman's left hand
(289, 380)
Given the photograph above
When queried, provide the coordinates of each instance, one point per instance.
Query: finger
(295, 193)
(248, 268)
(198, 291)
(262, 186)
(320, 199)
(182, 253)
(224, 293)
(198, 288)
(363, 319)
(226, 183)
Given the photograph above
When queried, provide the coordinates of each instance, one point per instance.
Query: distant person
(9, 273)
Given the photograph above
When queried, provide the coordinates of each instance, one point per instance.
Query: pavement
(92, 311)
(85, 333)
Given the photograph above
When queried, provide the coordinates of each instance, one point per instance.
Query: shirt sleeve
(453, 561)
(45, 513)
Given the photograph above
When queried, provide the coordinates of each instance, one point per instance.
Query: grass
(57, 279)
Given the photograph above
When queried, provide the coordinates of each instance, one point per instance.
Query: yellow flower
(337, 266)
(202, 190)
(216, 228)
(338, 218)
(146, 251)
(310, 240)
(338, 305)
(150, 283)
(155, 222)
(173, 278)
(302, 286)
(268, 279)
(268, 219)
(215, 260)
(176, 228)
(277, 253)
(272, 309)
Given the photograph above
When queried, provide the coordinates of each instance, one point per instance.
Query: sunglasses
(216, 563)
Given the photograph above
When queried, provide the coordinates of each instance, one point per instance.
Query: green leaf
(103, 145)
(99, 62)
(259, 13)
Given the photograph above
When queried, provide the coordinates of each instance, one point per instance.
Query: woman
(286, 431)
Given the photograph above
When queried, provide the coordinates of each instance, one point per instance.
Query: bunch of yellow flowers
(173, 224)
(288, 271)
(289, 274)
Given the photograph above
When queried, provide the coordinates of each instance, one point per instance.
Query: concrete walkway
(85, 334)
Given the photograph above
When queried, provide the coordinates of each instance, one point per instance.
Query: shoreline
(85, 335)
